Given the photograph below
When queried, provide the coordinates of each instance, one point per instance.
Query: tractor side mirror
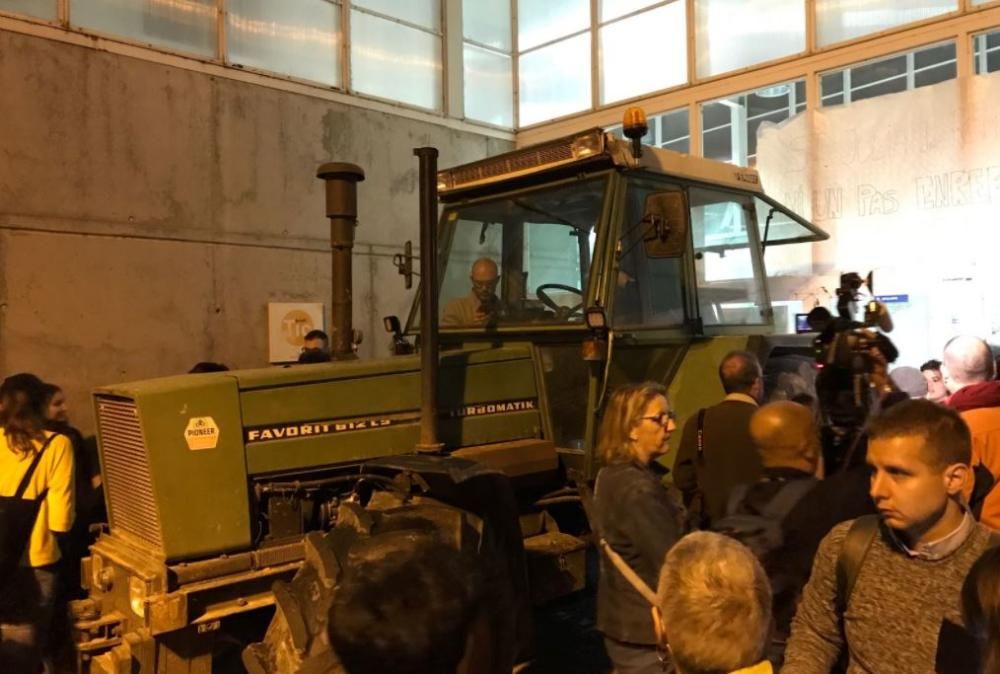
(399, 346)
(404, 265)
(665, 225)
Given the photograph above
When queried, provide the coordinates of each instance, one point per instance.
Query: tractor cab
(609, 262)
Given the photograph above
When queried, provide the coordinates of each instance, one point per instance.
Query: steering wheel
(561, 312)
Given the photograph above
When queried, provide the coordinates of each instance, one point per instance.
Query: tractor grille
(126, 471)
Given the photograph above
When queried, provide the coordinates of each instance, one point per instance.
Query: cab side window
(648, 291)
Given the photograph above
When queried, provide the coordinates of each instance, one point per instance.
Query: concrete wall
(148, 214)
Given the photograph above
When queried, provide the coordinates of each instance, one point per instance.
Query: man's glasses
(485, 285)
(663, 417)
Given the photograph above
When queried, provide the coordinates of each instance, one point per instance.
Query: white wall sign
(908, 185)
(287, 324)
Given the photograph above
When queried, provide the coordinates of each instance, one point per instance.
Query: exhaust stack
(342, 209)
(429, 439)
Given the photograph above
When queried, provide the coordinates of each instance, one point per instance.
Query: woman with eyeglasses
(637, 519)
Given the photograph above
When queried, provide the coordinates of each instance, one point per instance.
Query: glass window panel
(832, 84)
(933, 56)
(487, 22)
(553, 229)
(781, 228)
(42, 9)
(839, 20)
(893, 86)
(992, 61)
(878, 71)
(426, 13)
(395, 61)
(657, 36)
(299, 38)
(714, 114)
(941, 73)
(552, 81)
(541, 21)
(732, 34)
(718, 144)
(648, 291)
(611, 9)
(181, 25)
(729, 274)
(489, 86)
(675, 132)
(731, 124)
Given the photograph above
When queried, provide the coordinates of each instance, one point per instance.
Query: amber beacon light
(634, 126)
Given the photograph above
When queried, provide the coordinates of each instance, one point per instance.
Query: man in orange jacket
(968, 371)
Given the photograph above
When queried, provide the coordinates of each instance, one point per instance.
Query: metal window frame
(452, 102)
(959, 26)
(597, 28)
(909, 74)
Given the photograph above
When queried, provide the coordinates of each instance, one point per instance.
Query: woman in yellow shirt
(27, 599)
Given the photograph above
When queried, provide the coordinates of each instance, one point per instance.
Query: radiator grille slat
(126, 471)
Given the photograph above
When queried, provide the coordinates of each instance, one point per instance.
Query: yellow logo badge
(201, 433)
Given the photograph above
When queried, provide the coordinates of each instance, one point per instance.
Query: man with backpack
(787, 442)
(886, 589)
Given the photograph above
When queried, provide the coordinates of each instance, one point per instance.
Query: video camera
(847, 344)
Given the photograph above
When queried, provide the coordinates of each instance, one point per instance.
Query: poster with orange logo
(288, 323)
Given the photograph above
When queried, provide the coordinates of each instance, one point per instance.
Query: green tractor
(237, 499)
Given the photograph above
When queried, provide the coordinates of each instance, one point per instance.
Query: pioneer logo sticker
(201, 433)
(334, 426)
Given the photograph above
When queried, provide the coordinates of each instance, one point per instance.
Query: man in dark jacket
(716, 452)
(787, 440)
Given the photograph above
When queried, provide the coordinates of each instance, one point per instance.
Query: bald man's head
(485, 275)
(740, 373)
(967, 360)
(785, 436)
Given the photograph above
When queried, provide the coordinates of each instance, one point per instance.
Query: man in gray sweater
(903, 612)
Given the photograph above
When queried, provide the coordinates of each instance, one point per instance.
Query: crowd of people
(888, 563)
(794, 538)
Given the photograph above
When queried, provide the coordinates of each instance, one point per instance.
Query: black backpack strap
(787, 497)
(736, 498)
(858, 541)
(31, 469)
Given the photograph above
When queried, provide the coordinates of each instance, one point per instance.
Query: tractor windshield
(522, 258)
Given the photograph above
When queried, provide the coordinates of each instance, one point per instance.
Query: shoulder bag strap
(701, 434)
(31, 469)
(587, 499)
(630, 575)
